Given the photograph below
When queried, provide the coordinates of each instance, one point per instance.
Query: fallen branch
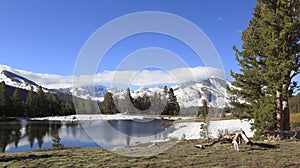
(235, 139)
(207, 145)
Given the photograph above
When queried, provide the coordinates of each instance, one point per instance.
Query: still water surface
(26, 135)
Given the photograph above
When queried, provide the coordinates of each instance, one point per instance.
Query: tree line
(41, 104)
(35, 105)
(157, 104)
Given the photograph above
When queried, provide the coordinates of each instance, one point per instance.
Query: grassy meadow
(183, 154)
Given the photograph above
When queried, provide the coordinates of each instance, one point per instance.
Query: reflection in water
(39, 129)
(126, 132)
(9, 133)
(23, 135)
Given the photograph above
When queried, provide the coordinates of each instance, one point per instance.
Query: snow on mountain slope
(18, 78)
(189, 94)
(17, 81)
(213, 90)
(49, 81)
(96, 92)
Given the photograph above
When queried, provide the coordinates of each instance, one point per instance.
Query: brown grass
(295, 120)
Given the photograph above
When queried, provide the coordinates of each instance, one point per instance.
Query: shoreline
(95, 117)
(185, 128)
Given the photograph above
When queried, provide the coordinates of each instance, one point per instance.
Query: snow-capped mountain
(189, 94)
(16, 78)
(213, 90)
(96, 92)
(18, 81)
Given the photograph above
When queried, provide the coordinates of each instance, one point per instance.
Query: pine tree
(54, 105)
(204, 108)
(108, 106)
(137, 103)
(16, 104)
(68, 108)
(269, 61)
(41, 101)
(3, 99)
(127, 104)
(172, 107)
(163, 104)
(165, 101)
(31, 104)
(142, 103)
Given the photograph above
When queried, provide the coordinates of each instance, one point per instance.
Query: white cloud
(137, 78)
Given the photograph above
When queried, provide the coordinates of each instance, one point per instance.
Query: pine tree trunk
(279, 111)
(286, 114)
(286, 109)
(283, 112)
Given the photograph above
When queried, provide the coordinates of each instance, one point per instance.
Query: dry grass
(295, 120)
(183, 154)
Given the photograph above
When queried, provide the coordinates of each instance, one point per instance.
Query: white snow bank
(230, 126)
(177, 118)
(186, 130)
(191, 130)
(83, 117)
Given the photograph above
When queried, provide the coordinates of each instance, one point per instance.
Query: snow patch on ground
(89, 117)
(186, 130)
(83, 117)
(231, 126)
(191, 130)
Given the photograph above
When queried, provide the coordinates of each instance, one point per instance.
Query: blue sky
(46, 36)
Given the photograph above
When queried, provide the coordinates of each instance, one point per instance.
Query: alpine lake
(20, 135)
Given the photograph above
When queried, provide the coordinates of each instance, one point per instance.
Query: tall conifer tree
(16, 104)
(269, 61)
(108, 106)
(31, 104)
(3, 99)
(127, 104)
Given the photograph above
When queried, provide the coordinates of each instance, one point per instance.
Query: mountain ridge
(189, 94)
